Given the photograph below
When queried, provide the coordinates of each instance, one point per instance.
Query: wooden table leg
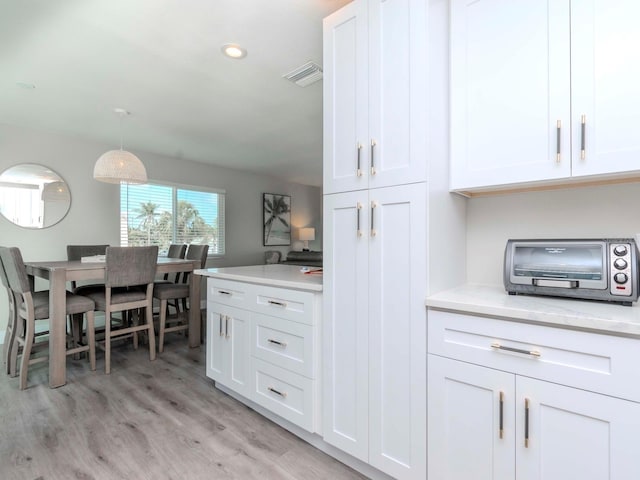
(57, 328)
(194, 310)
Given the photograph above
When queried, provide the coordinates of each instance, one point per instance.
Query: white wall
(586, 212)
(94, 213)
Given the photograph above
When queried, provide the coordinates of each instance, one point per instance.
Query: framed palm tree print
(276, 219)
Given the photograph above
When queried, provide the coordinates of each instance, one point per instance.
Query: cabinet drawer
(284, 393)
(599, 363)
(289, 304)
(283, 343)
(228, 292)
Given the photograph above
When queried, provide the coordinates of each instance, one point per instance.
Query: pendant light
(119, 166)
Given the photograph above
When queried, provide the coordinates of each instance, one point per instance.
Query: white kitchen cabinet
(513, 420)
(228, 346)
(374, 331)
(523, 78)
(262, 343)
(375, 95)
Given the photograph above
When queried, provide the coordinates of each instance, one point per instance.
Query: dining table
(59, 272)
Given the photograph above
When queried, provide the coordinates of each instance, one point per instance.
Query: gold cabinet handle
(277, 342)
(501, 414)
(358, 169)
(558, 137)
(282, 394)
(373, 207)
(358, 230)
(373, 166)
(533, 353)
(526, 423)
(583, 137)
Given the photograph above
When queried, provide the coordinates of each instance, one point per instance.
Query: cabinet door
(346, 325)
(467, 406)
(605, 73)
(238, 338)
(575, 434)
(345, 89)
(510, 85)
(397, 92)
(216, 342)
(397, 330)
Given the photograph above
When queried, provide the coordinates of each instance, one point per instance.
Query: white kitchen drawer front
(284, 343)
(235, 294)
(284, 393)
(290, 304)
(599, 363)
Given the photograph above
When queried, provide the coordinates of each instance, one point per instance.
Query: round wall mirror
(33, 196)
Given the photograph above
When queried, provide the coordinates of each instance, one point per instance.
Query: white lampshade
(55, 192)
(308, 233)
(119, 166)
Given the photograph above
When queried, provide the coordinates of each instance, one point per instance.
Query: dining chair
(75, 253)
(34, 306)
(9, 334)
(177, 291)
(176, 250)
(128, 286)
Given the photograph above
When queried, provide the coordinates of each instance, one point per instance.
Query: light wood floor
(147, 420)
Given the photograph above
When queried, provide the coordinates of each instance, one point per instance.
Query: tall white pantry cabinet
(375, 224)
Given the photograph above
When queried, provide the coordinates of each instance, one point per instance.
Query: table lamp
(306, 234)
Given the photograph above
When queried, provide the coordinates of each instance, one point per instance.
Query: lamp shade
(119, 166)
(308, 233)
(55, 192)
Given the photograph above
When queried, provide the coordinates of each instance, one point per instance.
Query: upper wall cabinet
(542, 91)
(375, 95)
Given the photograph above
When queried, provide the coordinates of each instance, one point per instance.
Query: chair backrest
(16, 273)
(196, 252)
(175, 251)
(76, 252)
(272, 256)
(129, 266)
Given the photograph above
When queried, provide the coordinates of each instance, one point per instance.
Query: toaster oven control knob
(620, 278)
(620, 250)
(620, 263)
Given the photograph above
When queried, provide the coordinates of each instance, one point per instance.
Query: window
(153, 214)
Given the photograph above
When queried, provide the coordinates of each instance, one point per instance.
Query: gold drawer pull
(277, 342)
(282, 394)
(533, 353)
(280, 304)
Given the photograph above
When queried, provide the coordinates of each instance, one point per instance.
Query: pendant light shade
(119, 166)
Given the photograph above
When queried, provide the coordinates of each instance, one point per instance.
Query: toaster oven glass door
(568, 265)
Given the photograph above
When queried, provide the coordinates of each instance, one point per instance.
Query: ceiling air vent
(305, 74)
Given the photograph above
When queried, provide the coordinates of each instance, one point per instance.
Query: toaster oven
(591, 269)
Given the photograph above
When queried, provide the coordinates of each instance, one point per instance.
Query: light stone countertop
(493, 300)
(274, 275)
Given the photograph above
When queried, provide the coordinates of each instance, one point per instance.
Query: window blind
(154, 214)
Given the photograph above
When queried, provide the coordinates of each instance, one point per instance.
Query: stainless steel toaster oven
(591, 269)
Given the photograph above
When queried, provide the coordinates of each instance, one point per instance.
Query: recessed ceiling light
(26, 85)
(233, 50)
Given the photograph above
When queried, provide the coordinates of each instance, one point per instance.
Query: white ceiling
(161, 60)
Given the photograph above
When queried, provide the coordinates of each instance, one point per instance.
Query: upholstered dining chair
(177, 291)
(12, 322)
(129, 276)
(176, 250)
(75, 253)
(33, 306)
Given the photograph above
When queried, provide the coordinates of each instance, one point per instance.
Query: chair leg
(18, 332)
(107, 342)
(26, 352)
(91, 338)
(152, 335)
(9, 337)
(162, 324)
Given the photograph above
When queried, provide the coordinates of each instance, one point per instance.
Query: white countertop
(275, 275)
(492, 300)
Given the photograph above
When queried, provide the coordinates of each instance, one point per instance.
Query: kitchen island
(263, 344)
(540, 384)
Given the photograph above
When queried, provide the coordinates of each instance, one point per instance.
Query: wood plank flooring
(147, 420)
